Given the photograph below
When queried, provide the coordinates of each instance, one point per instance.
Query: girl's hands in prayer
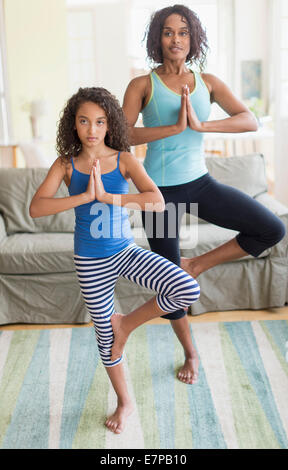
(99, 187)
(90, 193)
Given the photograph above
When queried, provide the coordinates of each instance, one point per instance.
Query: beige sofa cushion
(33, 253)
(17, 187)
(2, 229)
(246, 172)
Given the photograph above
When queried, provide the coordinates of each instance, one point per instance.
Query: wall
(112, 34)
(251, 38)
(37, 61)
(279, 94)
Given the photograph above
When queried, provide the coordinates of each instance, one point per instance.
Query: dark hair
(198, 38)
(68, 143)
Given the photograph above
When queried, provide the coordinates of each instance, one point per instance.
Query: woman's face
(91, 124)
(175, 38)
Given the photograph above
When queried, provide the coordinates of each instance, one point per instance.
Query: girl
(175, 104)
(95, 164)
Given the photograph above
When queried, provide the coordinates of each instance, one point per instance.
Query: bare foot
(120, 335)
(189, 371)
(117, 421)
(188, 265)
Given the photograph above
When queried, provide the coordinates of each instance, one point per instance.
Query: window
(81, 43)
(284, 59)
(208, 12)
(279, 97)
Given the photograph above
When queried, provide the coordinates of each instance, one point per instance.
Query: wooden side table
(13, 148)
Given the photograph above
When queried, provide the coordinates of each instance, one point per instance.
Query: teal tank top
(177, 159)
(101, 230)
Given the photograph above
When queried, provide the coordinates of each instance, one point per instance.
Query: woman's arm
(134, 99)
(149, 197)
(240, 120)
(44, 203)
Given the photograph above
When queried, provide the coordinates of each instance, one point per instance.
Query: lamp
(38, 108)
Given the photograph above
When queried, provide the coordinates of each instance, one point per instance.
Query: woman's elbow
(252, 124)
(33, 210)
(160, 204)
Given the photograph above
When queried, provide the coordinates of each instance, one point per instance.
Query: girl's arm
(240, 120)
(149, 197)
(44, 203)
(134, 98)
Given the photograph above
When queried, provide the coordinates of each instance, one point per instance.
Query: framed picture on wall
(251, 79)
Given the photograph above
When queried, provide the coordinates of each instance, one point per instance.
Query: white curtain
(5, 124)
(279, 96)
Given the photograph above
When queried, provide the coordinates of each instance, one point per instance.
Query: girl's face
(175, 38)
(91, 124)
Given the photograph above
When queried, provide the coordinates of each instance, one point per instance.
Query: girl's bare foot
(117, 421)
(189, 371)
(120, 335)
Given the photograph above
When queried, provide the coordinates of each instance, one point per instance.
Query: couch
(38, 283)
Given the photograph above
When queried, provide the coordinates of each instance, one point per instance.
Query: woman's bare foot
(120, 335)
(190, 266)
(117, 421)
(188, 373)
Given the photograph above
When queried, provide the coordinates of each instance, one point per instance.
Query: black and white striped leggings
(97, 277)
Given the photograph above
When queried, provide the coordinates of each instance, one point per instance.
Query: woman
(175, 104)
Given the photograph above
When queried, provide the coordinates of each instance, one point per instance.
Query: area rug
(55, 394)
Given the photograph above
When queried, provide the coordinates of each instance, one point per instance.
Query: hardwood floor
(235, 315)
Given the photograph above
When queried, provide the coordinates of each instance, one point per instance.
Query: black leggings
(218, 204)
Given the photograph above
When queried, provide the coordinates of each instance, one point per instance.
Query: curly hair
(68, 144)
(198, 38)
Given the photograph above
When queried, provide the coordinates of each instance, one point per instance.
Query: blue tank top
(101, 230)
(177, 159)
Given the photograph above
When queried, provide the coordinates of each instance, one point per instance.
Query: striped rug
(54, 391)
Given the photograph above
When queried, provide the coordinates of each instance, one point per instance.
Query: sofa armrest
(3, 233)
(272, 204)
(280, 249)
